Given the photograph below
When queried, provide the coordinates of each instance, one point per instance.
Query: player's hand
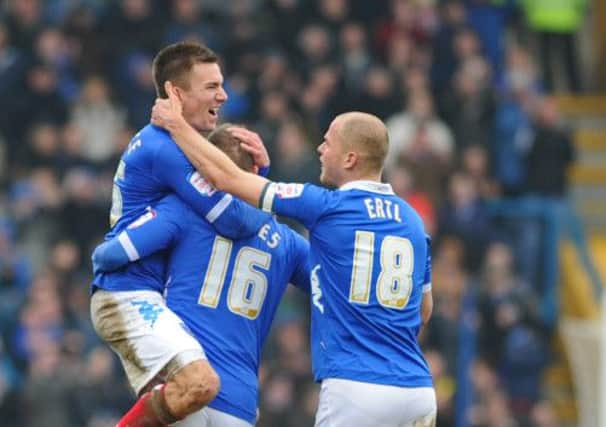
(251, 143)
(167, 113)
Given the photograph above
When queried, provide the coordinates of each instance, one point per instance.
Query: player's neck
(361, 177)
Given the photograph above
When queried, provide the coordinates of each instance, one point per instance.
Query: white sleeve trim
(128, 246)
(219, 208)
(268, 198)
(427, 287)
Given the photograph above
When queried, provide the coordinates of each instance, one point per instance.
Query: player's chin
(324, 179)
(208, 124)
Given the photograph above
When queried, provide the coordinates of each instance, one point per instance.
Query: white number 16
(248, 286)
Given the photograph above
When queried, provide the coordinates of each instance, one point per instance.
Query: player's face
(201, 102)
(331, 156)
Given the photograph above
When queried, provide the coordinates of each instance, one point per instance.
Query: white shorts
(151, 340)
(209, 417)
(345, 403)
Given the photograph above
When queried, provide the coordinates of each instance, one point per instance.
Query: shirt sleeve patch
(200, 184)
(147, 216)
(288, 191)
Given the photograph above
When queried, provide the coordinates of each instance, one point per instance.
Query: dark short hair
(230, 145)
(175, 61)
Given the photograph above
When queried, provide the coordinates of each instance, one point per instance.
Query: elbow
(425, 317)
(97, 260)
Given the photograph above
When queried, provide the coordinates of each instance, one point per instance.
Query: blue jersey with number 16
(225, 291)
(369, 267)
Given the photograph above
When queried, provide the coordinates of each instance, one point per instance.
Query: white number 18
(394, 283)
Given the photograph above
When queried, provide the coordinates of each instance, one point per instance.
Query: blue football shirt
(151, 167)
(226, 291)
(369, 267)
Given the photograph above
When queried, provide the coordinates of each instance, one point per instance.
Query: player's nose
(222, 95)
(320, 149)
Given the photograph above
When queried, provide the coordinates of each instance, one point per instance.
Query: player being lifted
(225, 291)
(127, 308)
(370, 269)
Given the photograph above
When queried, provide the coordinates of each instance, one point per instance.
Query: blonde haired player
(370, 270)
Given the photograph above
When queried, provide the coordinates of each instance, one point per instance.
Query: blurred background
(496, 111)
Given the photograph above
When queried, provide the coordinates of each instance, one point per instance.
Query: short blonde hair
(367, 134)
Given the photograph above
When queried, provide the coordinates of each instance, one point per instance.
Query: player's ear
(350, 160)
(172, 89)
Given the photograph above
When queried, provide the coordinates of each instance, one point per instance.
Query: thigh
(144, 333)
(197, 419)
(222, 419)
(346, 403)
(425, 421)
(209, 417)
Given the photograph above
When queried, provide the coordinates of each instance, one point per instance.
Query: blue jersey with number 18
(369, 267)
(151, 167)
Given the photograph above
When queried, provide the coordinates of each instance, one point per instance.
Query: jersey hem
(407, 382)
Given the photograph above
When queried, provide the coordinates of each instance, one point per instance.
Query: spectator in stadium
(379, 95)
(465, 215)
(551, 152)
(469, 106)
(355, 58)
(556, 25)
(98, 119)
(443, 67)
(417, 134)
(511, 328)
(403, 183)
(298, 161)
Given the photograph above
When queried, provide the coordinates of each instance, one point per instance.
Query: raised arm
(212, 163)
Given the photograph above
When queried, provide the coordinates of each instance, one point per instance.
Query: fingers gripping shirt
(369, 263)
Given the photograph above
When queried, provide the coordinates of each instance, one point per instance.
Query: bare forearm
(211, 162)
(426, 307)
(218, 169)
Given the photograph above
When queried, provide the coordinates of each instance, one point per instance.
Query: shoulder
(296, 243)
(172, 203)
(155, 139)
(151, 132)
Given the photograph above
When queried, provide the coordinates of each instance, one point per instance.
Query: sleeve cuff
(266, 201)
(219, 208)
(129, 248)
(427, 287)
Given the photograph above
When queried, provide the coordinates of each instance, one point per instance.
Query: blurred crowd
(471, 123)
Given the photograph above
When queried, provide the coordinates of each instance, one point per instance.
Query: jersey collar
(372, 186)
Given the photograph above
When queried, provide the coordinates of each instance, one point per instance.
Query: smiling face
(194, 70)
(203, 97)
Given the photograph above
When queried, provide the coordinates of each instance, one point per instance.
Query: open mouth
(214, 112)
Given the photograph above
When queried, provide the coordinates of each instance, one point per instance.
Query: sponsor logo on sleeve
(288, 191)
(147, 216)
(200, 184)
